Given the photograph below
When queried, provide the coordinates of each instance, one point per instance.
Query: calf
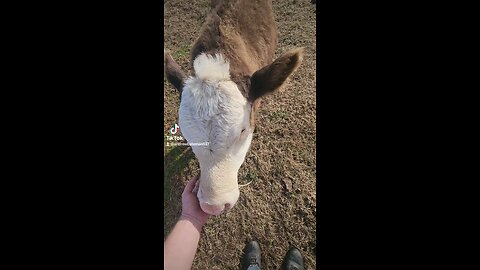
(232, 69)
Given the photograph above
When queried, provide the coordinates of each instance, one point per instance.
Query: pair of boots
(251, 259)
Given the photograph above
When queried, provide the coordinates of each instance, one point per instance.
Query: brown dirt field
(279, 206)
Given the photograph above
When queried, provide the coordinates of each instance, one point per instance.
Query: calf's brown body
(244, 31)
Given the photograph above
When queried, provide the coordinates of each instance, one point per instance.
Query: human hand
(190, 206)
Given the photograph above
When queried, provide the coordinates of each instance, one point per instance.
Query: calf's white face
(215, 118)
(213, 110)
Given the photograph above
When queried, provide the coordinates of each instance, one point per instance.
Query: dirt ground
(278, 207)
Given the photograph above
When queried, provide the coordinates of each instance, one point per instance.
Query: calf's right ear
(173, 71)
(272, 77)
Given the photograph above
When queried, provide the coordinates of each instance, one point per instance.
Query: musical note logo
(174, 129)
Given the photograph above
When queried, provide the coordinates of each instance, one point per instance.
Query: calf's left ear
(272, 77)
(173, 71)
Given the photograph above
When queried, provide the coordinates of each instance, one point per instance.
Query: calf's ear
(173, 71)
(272, 77)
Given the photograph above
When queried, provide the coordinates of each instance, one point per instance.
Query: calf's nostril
(227, 206)
(212, 209)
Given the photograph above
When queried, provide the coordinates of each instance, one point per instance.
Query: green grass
(176, 160)
(251, 176)
(279, 114)
(182, 52)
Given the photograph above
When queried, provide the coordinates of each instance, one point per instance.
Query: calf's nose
(214, 209)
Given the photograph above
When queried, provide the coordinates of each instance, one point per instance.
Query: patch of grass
(280, 114)
(176, 160)
(251, 176)
(182, 52)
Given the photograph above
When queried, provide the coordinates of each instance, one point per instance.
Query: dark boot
(293, 260)
(251, 258)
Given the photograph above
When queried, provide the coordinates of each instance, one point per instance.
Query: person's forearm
(181, 245)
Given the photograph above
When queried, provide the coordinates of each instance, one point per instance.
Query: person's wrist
(197, 222)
